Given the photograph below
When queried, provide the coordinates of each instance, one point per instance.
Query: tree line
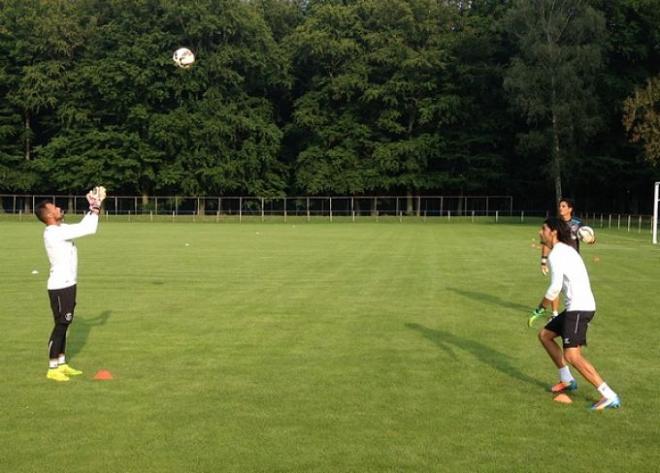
(531, 98)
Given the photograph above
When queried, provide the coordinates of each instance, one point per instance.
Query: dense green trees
(552, 77)
(642, 118)
(326, 96)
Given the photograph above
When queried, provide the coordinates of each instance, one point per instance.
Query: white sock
(52, 363)
(61, 360)
(606, 391)
(555, 313)
(565, 374)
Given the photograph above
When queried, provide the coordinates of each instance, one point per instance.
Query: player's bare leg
(547, 338)
(610, 399)
(566, 380)
(574, 357)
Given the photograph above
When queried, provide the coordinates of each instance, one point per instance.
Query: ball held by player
(586, 234)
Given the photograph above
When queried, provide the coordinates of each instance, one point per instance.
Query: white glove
(99, 194)
(94, 205)
(95, 198)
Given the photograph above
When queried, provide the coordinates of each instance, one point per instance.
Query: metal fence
(18, 207)
(308, 206)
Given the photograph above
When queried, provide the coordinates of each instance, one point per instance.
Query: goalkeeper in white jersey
(63, 257)
(569, 275)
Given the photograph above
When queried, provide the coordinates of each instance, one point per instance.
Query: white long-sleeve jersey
(62, 252)
(569, 275)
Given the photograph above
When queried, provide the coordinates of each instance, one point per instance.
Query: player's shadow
(483, 353)
(80, 330)
(489, 299)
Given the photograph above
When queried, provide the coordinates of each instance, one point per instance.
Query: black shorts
(63, 302)
(572, 326)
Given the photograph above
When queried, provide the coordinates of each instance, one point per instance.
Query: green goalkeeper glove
(536, 314)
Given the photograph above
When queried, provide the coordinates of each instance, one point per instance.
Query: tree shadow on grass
(483, 353)
(489, 299)
(80, 330)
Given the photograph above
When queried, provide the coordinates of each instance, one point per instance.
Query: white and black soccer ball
(183, 57)
(586, 234)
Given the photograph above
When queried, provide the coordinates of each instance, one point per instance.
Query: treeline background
(332, 97)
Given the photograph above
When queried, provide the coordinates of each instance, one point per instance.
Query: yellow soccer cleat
(56, 375)
(69, 371)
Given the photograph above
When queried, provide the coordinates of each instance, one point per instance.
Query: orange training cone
(562, 398)
(103, 375)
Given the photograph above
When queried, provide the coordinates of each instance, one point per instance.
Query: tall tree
(39, 39)
(552, 77)
(642, 118)
(375, 95)
(136, 122)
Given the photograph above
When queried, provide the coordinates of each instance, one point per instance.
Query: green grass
(375, 347)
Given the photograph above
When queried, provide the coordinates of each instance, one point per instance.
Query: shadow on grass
(483, 353)
(490, 299)
(80, 330)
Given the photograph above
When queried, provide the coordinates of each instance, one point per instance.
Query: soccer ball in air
(183, 57)
(586, 234)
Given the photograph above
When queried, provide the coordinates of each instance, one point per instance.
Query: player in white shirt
(63, 256)
(569, 275)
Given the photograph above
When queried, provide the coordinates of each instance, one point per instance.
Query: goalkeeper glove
(536, 314)
(99, 194)
(94, 204)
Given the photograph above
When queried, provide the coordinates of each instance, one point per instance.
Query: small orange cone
(103, 375)
(562, 398)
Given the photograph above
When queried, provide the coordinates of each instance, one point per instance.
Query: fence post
(629, 216)
(497, 216)
(151, 216)
(330, 209)
(618, 222)
(639, 225)
(473, 216)
(262, 209)
(522, 216)
(240, 209)
(609, 221)
(308, 216)
(285, 210)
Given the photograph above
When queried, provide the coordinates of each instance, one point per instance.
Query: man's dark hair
(561, 227)
(40, 210)
(569, 202)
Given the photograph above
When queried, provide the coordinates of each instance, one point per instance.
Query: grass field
(374, 347)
